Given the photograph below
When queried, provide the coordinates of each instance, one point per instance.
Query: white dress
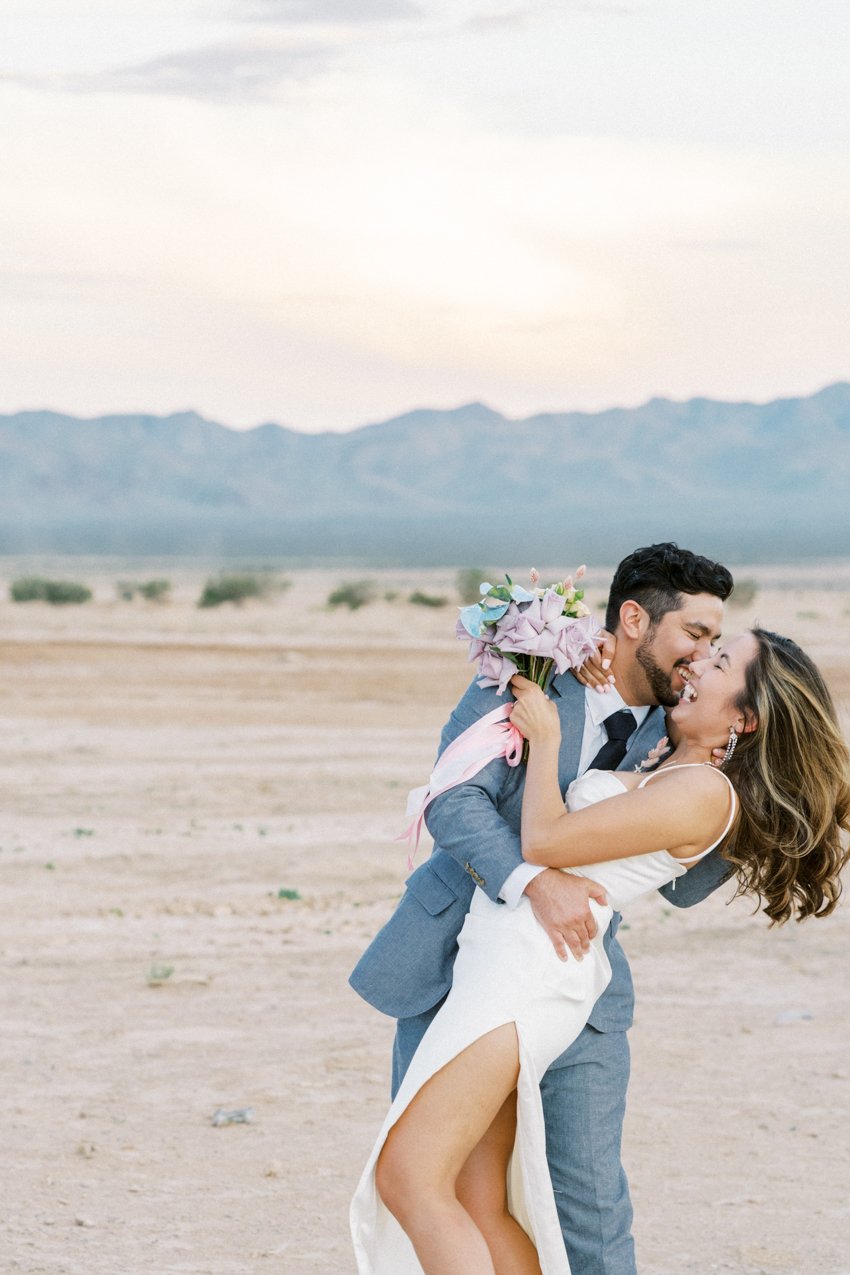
(506, 971)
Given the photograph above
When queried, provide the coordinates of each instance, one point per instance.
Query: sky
(328, 212)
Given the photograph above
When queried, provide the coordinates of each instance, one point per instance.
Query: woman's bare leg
(482, 1190)
(427, 1148)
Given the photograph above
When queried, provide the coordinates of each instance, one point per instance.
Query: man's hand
(559, 901)
(596, 670)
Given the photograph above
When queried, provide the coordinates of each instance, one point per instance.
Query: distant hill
(743, 480)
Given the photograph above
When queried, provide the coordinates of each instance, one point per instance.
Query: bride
(458, 1179)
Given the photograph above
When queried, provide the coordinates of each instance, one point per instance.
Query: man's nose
(703, 650)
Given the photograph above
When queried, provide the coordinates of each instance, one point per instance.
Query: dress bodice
(625, 879)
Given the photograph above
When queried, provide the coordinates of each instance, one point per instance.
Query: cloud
(347, 12)
(509, 18)
(224, 72)
(718, 245)
(522, 18)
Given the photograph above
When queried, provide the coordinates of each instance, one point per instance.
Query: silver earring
(731, 746)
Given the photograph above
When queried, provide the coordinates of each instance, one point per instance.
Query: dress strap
(686, 765)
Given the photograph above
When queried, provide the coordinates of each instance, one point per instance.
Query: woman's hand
(596, 670)
(534, 714)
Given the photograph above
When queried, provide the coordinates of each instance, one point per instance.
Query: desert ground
(197, 827)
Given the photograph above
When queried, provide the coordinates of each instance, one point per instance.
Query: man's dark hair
(657, 576)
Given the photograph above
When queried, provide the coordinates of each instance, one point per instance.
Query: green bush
(744, 593)
(467, 582)
(155, 590)
(233, 588)
(353, 594)
(28, 589)
(420, 599)
(151, 590)
(57, 592)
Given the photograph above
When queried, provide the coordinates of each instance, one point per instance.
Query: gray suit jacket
(407, 968)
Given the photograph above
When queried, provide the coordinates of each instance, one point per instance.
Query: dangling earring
(730, 747)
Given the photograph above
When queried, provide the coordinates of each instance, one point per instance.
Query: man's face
(679, 637)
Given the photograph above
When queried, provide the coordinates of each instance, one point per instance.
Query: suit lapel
(569, 696)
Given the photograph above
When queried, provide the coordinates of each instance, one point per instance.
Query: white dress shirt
(596, 708)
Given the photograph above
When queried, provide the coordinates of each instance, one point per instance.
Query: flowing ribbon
(490, 737)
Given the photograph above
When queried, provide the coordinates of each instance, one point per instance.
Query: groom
(665, 608)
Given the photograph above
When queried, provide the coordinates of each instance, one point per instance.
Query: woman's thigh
(446, 1120)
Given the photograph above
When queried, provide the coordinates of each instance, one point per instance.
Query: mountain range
(745, 481)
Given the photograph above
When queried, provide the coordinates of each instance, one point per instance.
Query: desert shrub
(391, 595)
(744, 593)
(151, 590)
(352, 594)
(57, 592)
(468, 581)
(420, 599)
(61, 591)
(155, 590)
(232, 588)
(28, 589)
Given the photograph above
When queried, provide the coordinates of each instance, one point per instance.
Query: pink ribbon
(490, 737)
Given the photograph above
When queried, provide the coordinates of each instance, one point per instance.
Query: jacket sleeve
(697, 884)
(465, 821)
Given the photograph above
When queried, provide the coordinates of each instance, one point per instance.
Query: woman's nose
(698, 667)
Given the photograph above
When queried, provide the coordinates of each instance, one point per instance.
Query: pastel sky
(327, 212)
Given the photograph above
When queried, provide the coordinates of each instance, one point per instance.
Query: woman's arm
(681, 813)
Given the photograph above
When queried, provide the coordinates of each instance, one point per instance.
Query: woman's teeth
(690, 691)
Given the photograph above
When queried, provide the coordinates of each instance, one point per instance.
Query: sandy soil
(165, 773)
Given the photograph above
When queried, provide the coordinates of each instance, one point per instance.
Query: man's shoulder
(569, 695)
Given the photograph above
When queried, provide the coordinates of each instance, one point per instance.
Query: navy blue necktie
(619, 727)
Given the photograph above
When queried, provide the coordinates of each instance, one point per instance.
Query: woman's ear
(746, 724)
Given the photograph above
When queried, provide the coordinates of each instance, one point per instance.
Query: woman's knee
(398, 1177)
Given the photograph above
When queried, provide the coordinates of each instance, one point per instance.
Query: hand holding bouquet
(528, 631)
(511, 630)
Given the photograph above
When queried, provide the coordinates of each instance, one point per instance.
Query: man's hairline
(680, 602)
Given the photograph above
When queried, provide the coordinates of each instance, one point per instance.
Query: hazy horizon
(422, 407)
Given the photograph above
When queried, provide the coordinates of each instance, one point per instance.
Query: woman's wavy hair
(792, 776)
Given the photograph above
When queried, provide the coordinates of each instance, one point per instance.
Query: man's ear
(634, 621)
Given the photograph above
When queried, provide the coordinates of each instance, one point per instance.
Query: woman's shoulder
(700, 780)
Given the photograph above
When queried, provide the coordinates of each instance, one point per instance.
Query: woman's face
(707, 707)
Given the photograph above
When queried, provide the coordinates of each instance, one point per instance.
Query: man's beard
(659, 682)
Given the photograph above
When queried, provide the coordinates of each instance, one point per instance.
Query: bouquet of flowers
(528, 631)
(510, 630)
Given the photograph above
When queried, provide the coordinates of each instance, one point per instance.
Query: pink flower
(520, 638)
(551, 606)
(535, 575)
(576, 641)
(495, 670)
(581, 572)
(476, 648)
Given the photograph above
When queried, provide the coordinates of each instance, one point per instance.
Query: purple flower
(577, 640)
(495, 670)
(551, 606)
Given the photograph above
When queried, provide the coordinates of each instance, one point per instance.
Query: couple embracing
(500, 1154)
